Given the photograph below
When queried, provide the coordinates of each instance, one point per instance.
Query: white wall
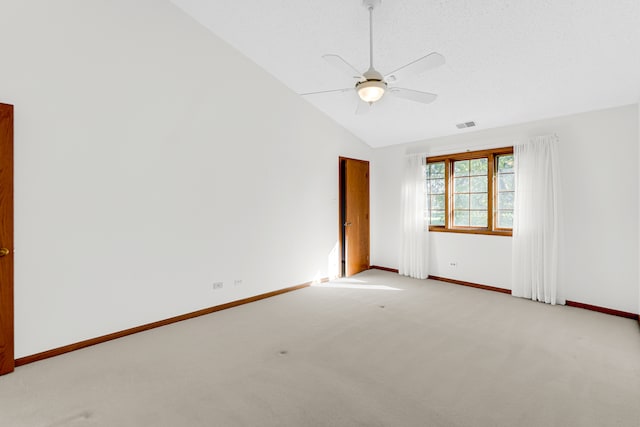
(599, 154)
(151, 159)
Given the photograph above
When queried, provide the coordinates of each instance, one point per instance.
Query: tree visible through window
(505, 192)
(435, 187)
(471, 192)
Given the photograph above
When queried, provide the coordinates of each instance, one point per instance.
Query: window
(471, 192)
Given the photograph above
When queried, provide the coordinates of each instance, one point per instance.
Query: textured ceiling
(508, 61)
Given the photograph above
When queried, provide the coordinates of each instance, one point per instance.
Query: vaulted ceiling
(507, 61)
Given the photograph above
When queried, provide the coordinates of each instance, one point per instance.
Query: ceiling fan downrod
(374, 86)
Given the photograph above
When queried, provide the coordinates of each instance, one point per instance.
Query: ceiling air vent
(465, 125)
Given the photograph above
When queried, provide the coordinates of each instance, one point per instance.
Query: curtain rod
(451, 150)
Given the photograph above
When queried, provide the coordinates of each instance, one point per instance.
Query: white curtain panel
(536, 220)
(414, 252)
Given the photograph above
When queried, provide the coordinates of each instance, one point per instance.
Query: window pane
(505, 219)
(461, 218)
(506, 182)
(437, 202)
(461, 201)
(505, 163)
(436, 186)
(461, 168)
(479, 184)
(505, 200)
(479, 166)
(436, 170)
(437, 218)
(479, 201)
(478, 218)
(461, 185)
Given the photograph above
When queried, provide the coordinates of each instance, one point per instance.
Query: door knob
(4, 252)
(347, 224)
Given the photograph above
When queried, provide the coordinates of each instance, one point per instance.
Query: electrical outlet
(217, 285)
(453, 264)
(237, 282)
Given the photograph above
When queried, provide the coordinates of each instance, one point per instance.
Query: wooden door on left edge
(354, 215)
(7, 362)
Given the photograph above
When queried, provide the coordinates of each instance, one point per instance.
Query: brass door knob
(4, 252)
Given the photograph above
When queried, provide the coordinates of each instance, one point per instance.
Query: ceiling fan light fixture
(371, 90)
(372, 85)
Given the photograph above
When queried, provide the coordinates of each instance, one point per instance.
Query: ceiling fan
(371, 86)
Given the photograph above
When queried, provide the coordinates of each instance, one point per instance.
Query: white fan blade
(414, 95)
(327, 91)
(416, 67)
(343, 66)
(363, 107)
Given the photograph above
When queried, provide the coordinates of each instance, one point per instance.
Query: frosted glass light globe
(371, 90)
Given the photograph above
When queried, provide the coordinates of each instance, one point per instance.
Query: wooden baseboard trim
(605, 310)
(508, 291)
(472, 285)
(377, 267)
(93, 341)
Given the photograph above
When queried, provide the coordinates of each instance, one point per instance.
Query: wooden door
(6, 239)
(354, 219)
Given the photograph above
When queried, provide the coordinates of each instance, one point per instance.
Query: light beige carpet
(374, 350)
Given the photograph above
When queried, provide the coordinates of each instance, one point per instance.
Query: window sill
(471, 231)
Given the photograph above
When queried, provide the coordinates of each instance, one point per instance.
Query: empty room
(319, 213)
